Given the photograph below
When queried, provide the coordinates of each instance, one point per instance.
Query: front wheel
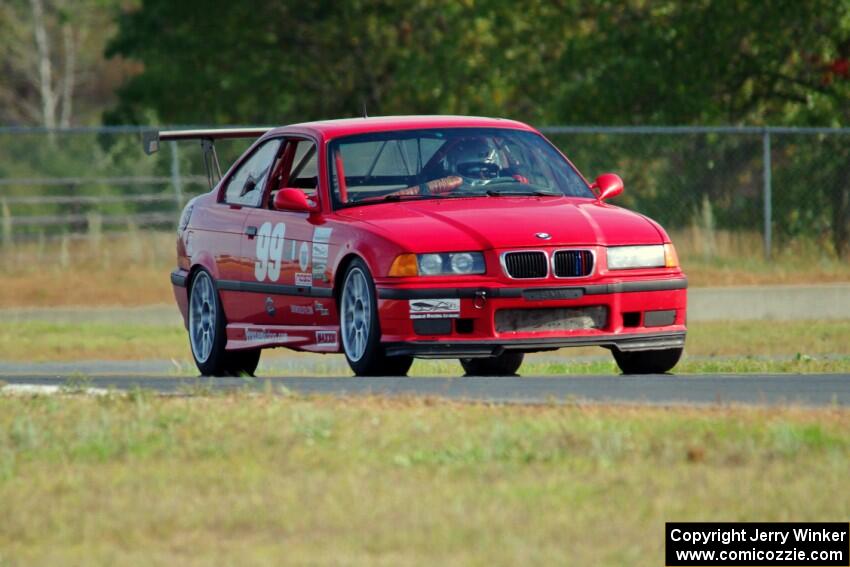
(506, 364)
(207, 333)
(647, 361)
(359, 326)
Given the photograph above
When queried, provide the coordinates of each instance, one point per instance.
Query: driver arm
(433, 187)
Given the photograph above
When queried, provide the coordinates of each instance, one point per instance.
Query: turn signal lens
(404, 265)
(671, 259)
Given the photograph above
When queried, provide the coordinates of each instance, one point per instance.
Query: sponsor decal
(321, 309)
(303, 256)
(264, 335)
(321, 239)
(303, 279)
(434, 308)
(270, 308)
(322, 234)
(320, 261)
(301, 309)
(326, 338)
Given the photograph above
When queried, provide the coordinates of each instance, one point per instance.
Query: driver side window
(245, 186)
(304, 174)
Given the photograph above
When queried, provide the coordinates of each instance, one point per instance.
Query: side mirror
(292, 200)
(609, 185)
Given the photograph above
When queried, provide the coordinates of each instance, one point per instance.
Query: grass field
(268, 479)
(261, 480)
(799, 346)
(133, 269)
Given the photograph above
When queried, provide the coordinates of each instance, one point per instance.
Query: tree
(710, 62)
(667, 62)
(239, 63)
(50, 51)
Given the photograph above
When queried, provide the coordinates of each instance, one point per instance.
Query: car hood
(504, 222)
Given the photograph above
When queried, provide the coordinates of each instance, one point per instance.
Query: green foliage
(599, 62)
(67, 72)
(713, 62)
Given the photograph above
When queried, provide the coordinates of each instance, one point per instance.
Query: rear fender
(206, 261)
(203, 261)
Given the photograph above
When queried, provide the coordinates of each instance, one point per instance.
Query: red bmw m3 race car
(393, 238)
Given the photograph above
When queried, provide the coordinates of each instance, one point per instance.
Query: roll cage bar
(152, 138)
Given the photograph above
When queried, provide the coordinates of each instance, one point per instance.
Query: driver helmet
(476, 160)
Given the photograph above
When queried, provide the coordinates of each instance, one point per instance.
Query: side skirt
(322, 339)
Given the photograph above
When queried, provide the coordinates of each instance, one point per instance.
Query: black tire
(506, 364)
(362, 344)
(242, 362)
(217, 361)
(647, 361)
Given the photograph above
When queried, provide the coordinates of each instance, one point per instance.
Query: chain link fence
(727, 190)
(719, 191)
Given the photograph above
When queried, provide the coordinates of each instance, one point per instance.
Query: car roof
(350, 126)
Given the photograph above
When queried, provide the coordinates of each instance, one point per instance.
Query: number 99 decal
(269, 251)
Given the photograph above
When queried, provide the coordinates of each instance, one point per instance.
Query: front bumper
(644, 314)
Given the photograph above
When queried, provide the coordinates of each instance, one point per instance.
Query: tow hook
(480, 299)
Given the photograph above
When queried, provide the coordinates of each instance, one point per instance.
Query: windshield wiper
(516, 193)
(405, 197)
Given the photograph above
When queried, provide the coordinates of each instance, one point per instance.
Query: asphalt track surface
(785, 389)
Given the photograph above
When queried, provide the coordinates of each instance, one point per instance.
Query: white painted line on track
(48, 390)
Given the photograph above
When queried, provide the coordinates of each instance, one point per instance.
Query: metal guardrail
(138, 218)
(552, 129)
(764, 131)
(691, 130)
(90, 200)
(37, 205)
(115, 181)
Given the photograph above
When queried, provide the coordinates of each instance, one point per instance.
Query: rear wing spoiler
(152, 138)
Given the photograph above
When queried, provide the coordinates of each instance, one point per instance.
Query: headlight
(430, 264)
(445, 264)
(627, 257)
(463, 263)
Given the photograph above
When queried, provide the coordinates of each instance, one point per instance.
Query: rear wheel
(207, 334)
(361, 334)
(506, 364)
(647, 361)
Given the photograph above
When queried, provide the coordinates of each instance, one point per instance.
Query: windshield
(441, 163)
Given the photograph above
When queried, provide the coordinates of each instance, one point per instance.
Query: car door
(243, 193)
(278, 249)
